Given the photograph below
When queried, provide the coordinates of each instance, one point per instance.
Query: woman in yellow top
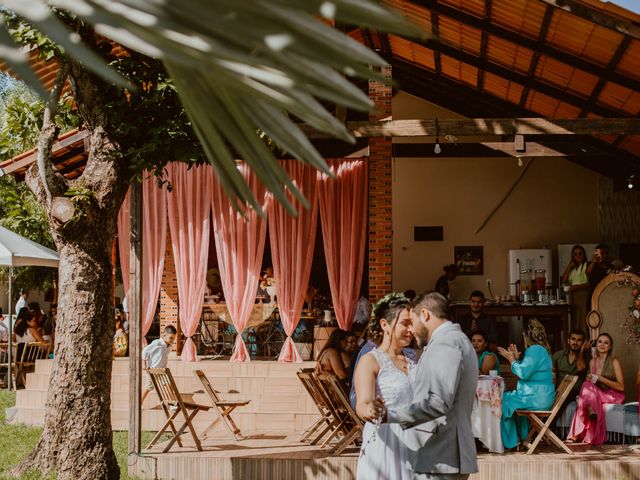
(120, 340)
(576, 276)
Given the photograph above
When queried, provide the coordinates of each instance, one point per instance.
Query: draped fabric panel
(343, 209)
(292, 242)
(124, 241)
(239, 248)
(154, 235)
(189, 208)
(154, 240)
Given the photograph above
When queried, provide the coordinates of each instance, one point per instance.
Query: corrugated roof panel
(522, 16)
(496, 85)
(562, 75)
(416, 14)
(459, 35)
(618, 97)
(631, 144)
(412, 52)
(509, 54)
(581, 37)
(502, 88)
(565, 110)
(542, 104)
(630, 62)
(474, 7)
(459, 71)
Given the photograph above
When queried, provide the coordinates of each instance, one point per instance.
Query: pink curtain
(189, 211)
(154, 225)
(292, 241)
(239, 248)
(154, 240)
(124, 241)
(343, 207)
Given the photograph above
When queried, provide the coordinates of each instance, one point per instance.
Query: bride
(384, 372)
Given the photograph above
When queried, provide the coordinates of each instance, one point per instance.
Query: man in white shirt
(22, 301)
(156, 355)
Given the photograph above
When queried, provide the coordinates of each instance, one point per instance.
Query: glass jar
(541, 279)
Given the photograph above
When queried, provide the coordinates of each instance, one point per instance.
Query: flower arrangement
(632, 322)
(267, 279)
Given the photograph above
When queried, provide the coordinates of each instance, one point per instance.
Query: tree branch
(48, 134)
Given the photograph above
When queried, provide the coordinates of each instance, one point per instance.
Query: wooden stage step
(284, 458)
(278, 399)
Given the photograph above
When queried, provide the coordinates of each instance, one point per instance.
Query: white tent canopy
(17, 251)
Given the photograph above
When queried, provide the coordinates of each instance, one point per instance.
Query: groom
(438, 432)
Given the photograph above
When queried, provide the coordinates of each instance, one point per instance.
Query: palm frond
(238, 66)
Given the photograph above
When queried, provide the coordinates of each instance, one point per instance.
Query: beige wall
(556, 202)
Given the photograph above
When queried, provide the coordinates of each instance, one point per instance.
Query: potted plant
(303, 339)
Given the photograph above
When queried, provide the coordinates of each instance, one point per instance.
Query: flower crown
(389, 300)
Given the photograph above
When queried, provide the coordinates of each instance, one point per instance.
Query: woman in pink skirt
(605, 384)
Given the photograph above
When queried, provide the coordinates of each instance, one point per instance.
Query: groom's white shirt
(438, 432)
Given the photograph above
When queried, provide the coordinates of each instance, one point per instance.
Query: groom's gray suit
(438, 432)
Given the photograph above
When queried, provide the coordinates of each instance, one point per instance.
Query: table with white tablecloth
(487, 410)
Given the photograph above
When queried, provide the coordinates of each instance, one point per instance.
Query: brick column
(380, 176)
(169, 295)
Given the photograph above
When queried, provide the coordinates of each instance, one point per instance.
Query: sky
(633, 5)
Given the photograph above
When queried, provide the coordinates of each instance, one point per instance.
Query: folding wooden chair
(27, 362)
(352, 425)
(173, 405)
(544, 428)
(327, 419)
(224, 408)
(5, 368)
(346, 423)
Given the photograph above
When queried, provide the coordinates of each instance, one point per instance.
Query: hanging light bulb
(437, 149)
(630, 183)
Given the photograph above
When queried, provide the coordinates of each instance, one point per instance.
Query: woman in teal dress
(487, 360)
(535, 389)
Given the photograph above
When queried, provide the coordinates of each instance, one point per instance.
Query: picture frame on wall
(469, 259)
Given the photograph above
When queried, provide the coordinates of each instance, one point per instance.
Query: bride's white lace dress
(382, 455)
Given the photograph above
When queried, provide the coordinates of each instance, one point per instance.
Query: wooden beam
(535, 58)
(599, 17)
(602, 81)
(435, 32)
(514, 76)
(484, 40)
(134, 298)
(569, 150)
(477, 127)
(523, 41)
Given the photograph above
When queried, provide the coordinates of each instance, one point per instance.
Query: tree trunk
(77, 439)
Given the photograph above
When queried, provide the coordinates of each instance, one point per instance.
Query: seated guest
(605, 384)
(487, 360)
(120, 340)
(50, 322)
(476, 320)
(38, 316)
(4, 330)
(26, 330)
(573, 360)
(535, 389)
(442, 284)
(330, 357)
(350, 346)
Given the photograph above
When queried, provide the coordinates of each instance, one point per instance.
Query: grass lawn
(16, 441)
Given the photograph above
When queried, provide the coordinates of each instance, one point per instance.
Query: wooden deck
(284, 458)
